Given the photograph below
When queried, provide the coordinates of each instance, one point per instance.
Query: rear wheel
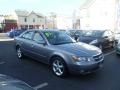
(58, 67)
(19, 53)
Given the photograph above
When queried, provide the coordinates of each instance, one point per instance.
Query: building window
(33, 20)
(31, 27)
(26, 26)
(25, 19)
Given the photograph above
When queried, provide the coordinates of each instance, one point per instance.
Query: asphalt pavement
(38, 75)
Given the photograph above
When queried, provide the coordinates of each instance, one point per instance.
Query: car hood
(87, 39)
(79, 49)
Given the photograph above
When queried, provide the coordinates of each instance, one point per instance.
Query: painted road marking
(41, 86)
(109, 53)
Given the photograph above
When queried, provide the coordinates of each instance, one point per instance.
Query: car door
(40, 48)
(26, 42)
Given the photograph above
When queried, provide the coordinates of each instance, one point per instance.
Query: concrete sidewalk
(4, 37)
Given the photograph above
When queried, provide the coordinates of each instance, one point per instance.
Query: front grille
(98, 57)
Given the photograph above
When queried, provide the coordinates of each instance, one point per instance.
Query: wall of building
(10, 24)
(64, 22)
(99, 15)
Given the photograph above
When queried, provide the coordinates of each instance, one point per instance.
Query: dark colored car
(71, 32)
(118, 47)
(15, 32)
(60, 51)
(10, 83)
(78, 34)
(117, 36)
(100, 38)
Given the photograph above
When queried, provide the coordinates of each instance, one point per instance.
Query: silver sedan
(60, 51)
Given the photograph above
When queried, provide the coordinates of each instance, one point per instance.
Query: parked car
(100, 38)
(62, 30)
(78, 34)
(15, 32)
(71, 32)
(60, 51)
(117, 36)
(10, 83)
(118, 47)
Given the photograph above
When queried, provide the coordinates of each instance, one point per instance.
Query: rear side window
(38, 38)
(27, 35)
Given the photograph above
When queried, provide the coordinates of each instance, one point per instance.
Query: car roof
(44, 30)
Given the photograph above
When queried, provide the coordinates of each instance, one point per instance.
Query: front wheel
(58, 67)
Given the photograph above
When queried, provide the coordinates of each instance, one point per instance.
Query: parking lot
(38, 75)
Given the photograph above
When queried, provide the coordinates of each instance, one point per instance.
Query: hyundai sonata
(60, 51)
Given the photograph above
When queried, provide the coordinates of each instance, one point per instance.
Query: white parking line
(41, 86)
(2, 63)
(109, 53)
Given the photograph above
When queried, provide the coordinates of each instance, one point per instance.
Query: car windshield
(57, 37)
(93, 33)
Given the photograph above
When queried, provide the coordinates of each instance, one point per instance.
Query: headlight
(93, 42)
(81, 59)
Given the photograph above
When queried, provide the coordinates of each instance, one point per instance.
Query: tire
(58, 67)
(19, 53)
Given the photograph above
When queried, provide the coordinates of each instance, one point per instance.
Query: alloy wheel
(19, 53)
(58, 67)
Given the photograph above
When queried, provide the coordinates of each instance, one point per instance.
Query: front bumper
(85, 68)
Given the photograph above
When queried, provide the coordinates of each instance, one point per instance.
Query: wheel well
(51, 59)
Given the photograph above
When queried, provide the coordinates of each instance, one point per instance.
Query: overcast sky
(63, 7)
